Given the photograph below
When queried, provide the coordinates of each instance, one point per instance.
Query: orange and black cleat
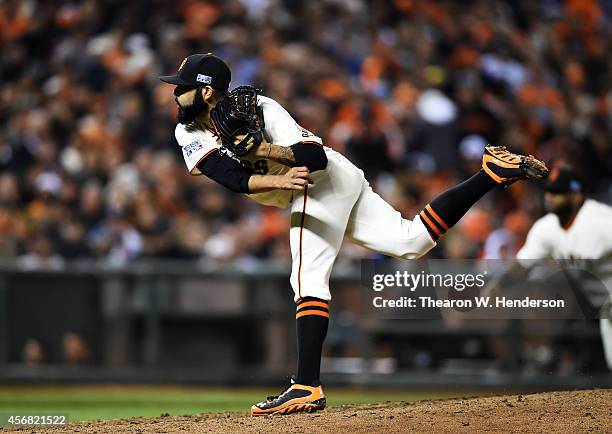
(296, 398)
(505, 167)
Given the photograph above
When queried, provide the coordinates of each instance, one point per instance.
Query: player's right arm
(297, 178)
(241, 179)
(202, 157)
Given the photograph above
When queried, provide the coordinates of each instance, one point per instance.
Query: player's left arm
(309, 154)
(286, 142)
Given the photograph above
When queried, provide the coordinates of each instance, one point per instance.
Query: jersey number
(305, 132)
(260, 167)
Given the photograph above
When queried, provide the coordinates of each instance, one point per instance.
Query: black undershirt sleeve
(226, 171)
(311, 155)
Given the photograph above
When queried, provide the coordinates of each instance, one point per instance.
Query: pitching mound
(579, 411)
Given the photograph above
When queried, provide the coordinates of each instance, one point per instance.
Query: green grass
(114, 402)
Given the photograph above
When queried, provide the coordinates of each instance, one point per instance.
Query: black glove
(237, 115)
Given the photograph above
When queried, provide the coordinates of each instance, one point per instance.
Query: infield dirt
(563, 412)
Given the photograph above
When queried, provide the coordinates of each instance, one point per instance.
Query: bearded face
(564, 205)
(191, 104)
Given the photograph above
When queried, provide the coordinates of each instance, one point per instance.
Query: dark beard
(565, 213)
(187, 115)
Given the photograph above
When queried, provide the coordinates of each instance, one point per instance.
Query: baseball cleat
(505, 167)
(296, 398)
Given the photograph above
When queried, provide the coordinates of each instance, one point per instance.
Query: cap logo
(204, 78)
(183, 63)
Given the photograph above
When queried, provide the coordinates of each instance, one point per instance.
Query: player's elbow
(227, 172)
(318, 160)
(310, 155)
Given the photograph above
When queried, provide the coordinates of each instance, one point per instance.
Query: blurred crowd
(409, 90)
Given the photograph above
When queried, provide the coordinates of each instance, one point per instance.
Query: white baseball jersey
(588, 237)
(280, 129)
(340, 203)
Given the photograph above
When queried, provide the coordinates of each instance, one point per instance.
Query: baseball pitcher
(250, 144)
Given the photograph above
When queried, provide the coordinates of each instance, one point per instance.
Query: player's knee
(319, 293)
(304, 287)
(417, 247)
(418, 241)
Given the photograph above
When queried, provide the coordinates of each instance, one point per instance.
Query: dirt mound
(578, 411)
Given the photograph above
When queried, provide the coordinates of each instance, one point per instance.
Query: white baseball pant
(342, 203)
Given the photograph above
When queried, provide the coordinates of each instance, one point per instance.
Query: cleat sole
(533, 168)
(301, 407)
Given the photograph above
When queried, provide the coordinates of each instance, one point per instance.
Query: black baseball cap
(201, 70)
(564, 180)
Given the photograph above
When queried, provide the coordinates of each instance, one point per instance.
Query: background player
(574, 228)
(251, 145)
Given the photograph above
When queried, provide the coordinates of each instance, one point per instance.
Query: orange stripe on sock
(437, 217)
(313, 304)
(431, 224)
(312, 312)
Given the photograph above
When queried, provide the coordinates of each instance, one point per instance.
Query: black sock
(312, 319)
(445, 210)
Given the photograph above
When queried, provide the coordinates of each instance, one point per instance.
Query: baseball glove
(237, 115)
